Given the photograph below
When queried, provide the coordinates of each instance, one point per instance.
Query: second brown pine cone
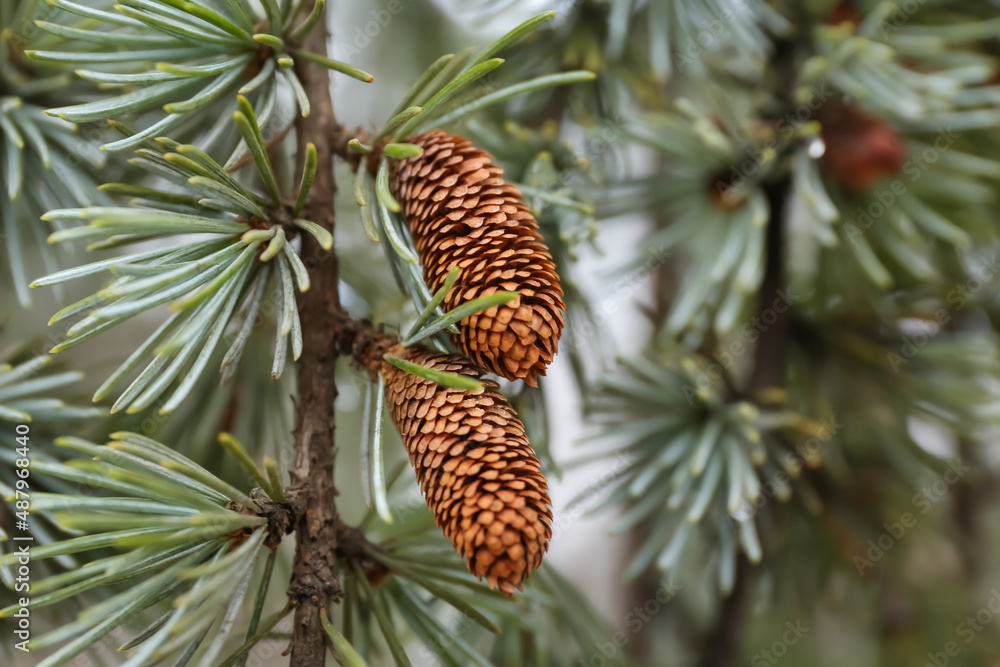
(461, 212)
(475, 467)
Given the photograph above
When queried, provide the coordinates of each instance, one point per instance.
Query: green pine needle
(443, 378)
(459, 313)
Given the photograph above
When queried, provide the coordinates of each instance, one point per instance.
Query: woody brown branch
(327, 332)
(722, 644)
(311, 493)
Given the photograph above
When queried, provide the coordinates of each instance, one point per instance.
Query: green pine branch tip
(358, 147)
(269, 40)
(382, 191)
(308, 176)
(334, 65)
(321, 234)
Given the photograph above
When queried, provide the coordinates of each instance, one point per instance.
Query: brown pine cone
(861, 149)
(475, 467)
(461, 212)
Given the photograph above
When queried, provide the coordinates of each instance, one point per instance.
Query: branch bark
(311, 492)
(722, 645)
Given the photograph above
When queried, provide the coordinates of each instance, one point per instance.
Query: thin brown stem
(312, 493)
(722, 645)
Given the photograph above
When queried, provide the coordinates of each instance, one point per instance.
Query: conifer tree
(319, 357)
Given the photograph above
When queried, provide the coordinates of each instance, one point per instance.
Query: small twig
(365, 343)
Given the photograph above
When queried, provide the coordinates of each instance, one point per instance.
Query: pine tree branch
(970, 499)
(723, 643)
(769, 355)
(314, 583)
